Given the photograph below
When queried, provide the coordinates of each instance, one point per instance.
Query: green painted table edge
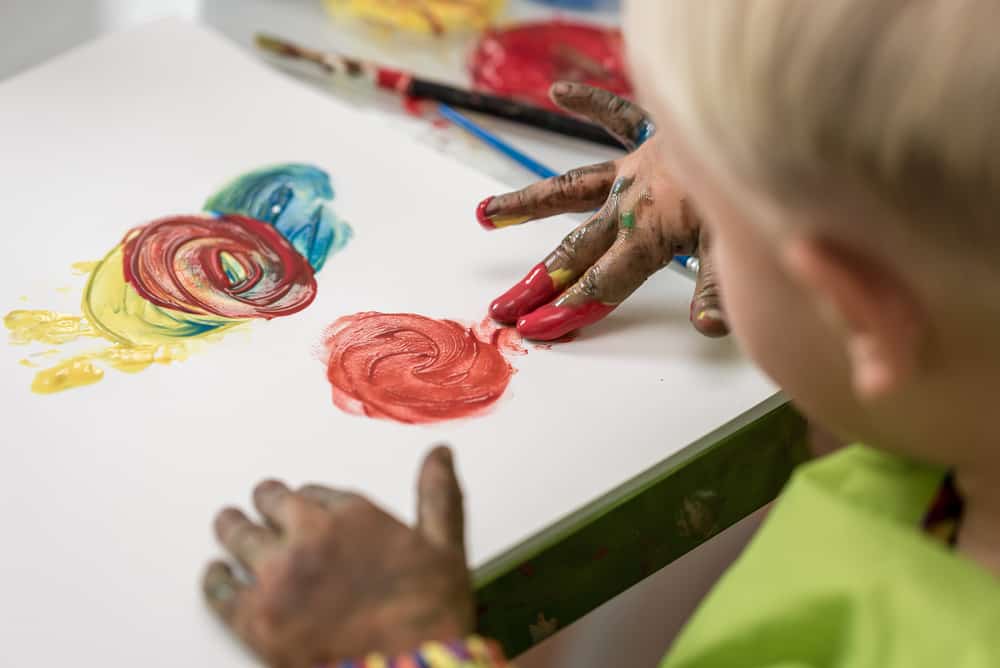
(567, 570)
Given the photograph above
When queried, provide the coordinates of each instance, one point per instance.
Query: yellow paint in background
(420, 16)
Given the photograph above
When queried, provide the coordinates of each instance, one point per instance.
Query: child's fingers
(271, 499)
(440, 516)
(328, 498)
(628, 122)
(575, 253)
(247, 541)
(706, 308)
(577, 190)
(615, 276)
(222, 590)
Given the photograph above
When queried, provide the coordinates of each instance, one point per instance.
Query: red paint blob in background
(525, 60)
(417, 370)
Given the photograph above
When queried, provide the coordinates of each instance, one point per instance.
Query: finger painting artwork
(417, 370)
(251, 254)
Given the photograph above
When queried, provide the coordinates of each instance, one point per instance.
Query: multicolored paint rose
(252, 255)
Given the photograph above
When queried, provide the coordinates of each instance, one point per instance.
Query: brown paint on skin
(644, 221)
(650, 232)
(339, 578)
(706, 312)
(576, 191)
(616, 114)
(582, 247)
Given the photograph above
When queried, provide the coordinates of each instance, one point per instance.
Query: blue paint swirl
(295, 199)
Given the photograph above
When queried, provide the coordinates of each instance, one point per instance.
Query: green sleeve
(841, 576)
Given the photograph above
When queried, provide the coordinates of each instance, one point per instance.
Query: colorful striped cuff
(473, 652)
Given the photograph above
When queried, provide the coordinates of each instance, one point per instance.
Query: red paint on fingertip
(530, 292)
(481, 216)
(552, 322)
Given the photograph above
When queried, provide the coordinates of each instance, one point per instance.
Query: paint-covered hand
(333, 577)
(642, 222)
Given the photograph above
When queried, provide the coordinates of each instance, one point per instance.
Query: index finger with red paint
(576, 252)
(644, 244)
(576, 191)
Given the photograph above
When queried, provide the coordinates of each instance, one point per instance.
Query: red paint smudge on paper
(506, 339)
(417, 370)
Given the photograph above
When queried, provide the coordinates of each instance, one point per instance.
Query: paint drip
(417, 370)
(523, 61)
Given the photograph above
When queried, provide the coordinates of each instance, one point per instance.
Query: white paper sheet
(107, 492)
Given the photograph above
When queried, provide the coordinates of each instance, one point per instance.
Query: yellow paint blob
(74, 372)
(45, 326)
(508, 221)
(561, 277)
(138, 334)
(421, 16)
(81, 370)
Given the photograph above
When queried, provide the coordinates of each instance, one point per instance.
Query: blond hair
(898, 97)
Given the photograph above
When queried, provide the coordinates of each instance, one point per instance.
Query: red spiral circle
(231, 266)
(412, 369)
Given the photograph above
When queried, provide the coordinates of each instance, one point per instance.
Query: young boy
(845, 157)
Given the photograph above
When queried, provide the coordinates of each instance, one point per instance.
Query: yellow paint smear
(46, 326)
(81, 370)
(137, 333)
(74, 372)
(561, 277)
(508, 221)
(84, 268)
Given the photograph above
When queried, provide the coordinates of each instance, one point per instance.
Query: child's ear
(881, 321)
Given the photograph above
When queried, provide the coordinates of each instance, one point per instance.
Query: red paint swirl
(231, 266)
(524, 60)
(413, 369)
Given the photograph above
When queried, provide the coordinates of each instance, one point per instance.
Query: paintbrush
(405, 83)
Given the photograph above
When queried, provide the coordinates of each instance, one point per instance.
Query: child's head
(846, 157)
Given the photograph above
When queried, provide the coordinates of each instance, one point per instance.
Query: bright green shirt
(842, 576)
